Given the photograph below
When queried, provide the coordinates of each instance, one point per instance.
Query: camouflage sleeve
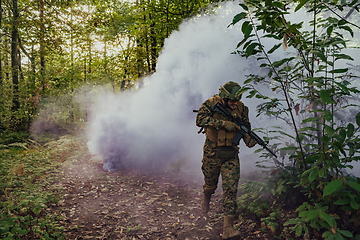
(245, 116)
(204, 117)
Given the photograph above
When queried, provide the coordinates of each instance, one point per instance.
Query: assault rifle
(243, 129)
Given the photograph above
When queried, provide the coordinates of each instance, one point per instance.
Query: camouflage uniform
(220, 157)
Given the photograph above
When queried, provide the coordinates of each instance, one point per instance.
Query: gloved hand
(250, 142)
(230, 126)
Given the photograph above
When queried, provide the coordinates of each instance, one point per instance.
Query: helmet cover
(230, 90)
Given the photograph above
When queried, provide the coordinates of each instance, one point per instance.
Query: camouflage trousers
(222, 161)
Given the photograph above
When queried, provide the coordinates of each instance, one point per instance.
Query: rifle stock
(243, 129)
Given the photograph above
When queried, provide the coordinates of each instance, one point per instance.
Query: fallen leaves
(138, 205)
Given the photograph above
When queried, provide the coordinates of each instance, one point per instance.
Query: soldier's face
(232, 104)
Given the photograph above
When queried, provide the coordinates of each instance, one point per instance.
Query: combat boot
(228, 229)
(205, 202)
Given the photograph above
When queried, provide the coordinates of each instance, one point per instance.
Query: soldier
(220, 154)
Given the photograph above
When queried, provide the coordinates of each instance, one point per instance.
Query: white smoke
(154, 125)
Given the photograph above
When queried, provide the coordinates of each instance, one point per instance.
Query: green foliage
(251, 200)
(27, 190)
(8, 137)
(313, 89)
(271, 221)
(64, 45)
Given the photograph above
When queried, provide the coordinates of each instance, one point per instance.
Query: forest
(60, 60)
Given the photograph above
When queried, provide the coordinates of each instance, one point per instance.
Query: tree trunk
(20, 69)
(85, 69)
(42, 47)
(139, 48)
(153, 52)
(90, 57)
(14, 58)
(1, 33)
(6, 64)
(33, 70)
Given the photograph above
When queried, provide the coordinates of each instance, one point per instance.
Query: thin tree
(1, 73)
(14, 57)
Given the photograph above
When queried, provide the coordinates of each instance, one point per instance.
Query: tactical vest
(222, 137)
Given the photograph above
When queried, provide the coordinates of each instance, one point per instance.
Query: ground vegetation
(311, 88)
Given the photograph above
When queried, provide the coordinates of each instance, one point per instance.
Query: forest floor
(139, 205)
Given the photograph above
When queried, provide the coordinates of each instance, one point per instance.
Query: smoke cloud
(154, 126)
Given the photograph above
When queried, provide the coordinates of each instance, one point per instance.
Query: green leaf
(308, 129)
(298, 230)
(281, 62)
(340, 147)
(312, 214)
(342, 134)
(354, 204)
(278, 4)
(343, 87)
(248, 81)
(242, 90)
(316, 120)
(327, 218)
(346, 233)
(329, 130)
(329, 30)
(325, 96)
(339, 70)
(23, 231)
(313, 174)
(238, 17)
(271, 36)
(342, 201)
(325, 139)
(312, 158)
(306, 172)
(343, 56)
(332, 187)
(304, 214)
(276, 46)
(248, 30)
(250, 49)
(302, 3)
(350, 130)
(358, 119)
(354, 185)
(347, 28)
(320, 55)
(244, 26)
(244, 6)
(37, 211)
(241, 43)
(327, 116)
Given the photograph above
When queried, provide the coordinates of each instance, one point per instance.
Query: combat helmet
(230, 90)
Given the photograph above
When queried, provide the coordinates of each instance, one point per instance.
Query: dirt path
(139, 205)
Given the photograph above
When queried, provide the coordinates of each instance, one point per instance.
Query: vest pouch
(221, 141)
(226, 152)
(229, 137)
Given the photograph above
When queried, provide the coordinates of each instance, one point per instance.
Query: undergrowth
(282, 209)
(28, 188)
